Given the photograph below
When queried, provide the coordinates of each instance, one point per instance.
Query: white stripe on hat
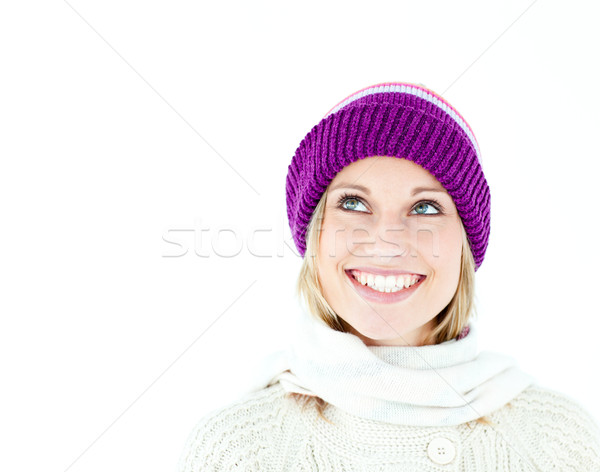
(412, 90)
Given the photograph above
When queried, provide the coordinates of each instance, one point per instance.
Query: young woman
(390, 209)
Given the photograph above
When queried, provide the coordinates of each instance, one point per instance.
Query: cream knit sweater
(538, 430)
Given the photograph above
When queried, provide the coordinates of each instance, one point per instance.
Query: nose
(388, 236)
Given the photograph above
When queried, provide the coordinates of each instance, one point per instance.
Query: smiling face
(380, 221)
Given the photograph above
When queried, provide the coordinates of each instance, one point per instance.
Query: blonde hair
(450, 321)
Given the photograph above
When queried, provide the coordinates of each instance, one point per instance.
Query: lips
(370, 295)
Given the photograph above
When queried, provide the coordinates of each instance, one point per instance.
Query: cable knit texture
(539, 430)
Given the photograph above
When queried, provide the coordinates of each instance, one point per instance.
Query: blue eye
(352, 201)
(349, 202)
(433, 205)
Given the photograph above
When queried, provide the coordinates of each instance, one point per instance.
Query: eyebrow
(354, 186)
(415, 191)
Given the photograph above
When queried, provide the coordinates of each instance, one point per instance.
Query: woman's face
(378, 220)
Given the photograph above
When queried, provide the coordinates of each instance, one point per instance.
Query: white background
(124, 125)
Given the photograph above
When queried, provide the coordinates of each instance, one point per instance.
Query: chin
(382, 332)
(379, 333)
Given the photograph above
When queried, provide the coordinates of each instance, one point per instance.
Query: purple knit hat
(400, 120)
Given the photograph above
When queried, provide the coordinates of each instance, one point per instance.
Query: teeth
(379, 283)
(385, 284)
(390, 283)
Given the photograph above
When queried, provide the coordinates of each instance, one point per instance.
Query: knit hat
(399, 120)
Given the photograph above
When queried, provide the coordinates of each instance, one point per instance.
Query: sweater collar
(435, 385)
(435, 356)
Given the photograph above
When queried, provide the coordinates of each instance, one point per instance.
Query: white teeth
(385, 284)
(379, 283)
(390, 283)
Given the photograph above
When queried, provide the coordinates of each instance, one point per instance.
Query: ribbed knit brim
(398, 120)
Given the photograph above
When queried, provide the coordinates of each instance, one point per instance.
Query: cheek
(327, 251)
(327, 265)
(333, 253)
(451, 238)
(440, 244)
(333, 241)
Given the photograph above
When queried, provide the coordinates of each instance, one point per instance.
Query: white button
(441, 451)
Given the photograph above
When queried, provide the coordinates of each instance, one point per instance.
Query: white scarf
(434, 385)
